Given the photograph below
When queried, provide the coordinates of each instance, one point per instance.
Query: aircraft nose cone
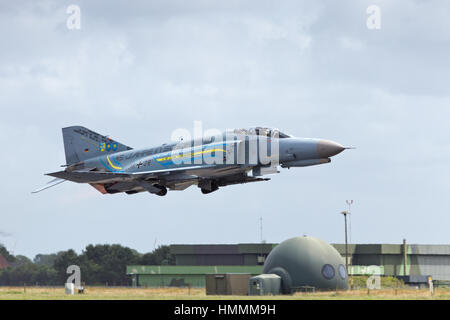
(327, 148)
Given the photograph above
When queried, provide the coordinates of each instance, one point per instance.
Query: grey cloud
(310, 68)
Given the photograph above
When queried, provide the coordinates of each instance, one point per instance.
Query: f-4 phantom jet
(231, 157)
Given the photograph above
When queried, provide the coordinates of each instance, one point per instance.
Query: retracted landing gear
(162, 192)
(205, 191)
(208, 186)
(154, 188)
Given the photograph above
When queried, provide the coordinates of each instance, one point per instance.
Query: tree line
(99, 264)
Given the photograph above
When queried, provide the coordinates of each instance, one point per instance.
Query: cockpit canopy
(261, 131)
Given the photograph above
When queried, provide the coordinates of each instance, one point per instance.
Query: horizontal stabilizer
(89, 176)
(49, 184)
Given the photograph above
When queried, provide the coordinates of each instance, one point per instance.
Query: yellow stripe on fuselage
(112, 166)
(188, 154)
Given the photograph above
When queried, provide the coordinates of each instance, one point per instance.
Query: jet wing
(89, 176)
(104, 177)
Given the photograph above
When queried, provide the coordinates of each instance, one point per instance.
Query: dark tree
(63, 260)
(111, 262)
(159, 256)
(5, 253)
(45, 259)
(99, 264)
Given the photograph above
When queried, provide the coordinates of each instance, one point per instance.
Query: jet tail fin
(81, 143)
(49, 184)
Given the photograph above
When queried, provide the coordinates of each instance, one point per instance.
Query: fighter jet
(210, 162)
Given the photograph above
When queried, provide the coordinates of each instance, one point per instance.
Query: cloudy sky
(310, 68)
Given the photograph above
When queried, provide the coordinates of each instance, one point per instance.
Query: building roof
(240, 248)
(265, 248)
(412, 249)
(3, 262)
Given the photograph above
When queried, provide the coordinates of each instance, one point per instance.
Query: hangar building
(193, 262)
(421, 260)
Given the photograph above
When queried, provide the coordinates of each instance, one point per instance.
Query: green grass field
(104, 293)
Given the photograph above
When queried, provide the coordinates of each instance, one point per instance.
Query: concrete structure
(307, 262)
(227, 284)
(180, 276)
(264, 284)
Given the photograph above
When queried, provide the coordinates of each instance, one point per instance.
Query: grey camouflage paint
(209, 163)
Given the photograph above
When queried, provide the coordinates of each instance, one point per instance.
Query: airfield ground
(105, 293)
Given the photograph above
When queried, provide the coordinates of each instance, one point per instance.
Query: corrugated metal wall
(164, 280)
(436, 266)
(220, 254)
(164, 276)
(422, 260)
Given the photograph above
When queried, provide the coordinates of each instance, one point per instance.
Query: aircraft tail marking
(81, 143)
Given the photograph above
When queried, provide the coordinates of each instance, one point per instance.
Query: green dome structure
(307, 262)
